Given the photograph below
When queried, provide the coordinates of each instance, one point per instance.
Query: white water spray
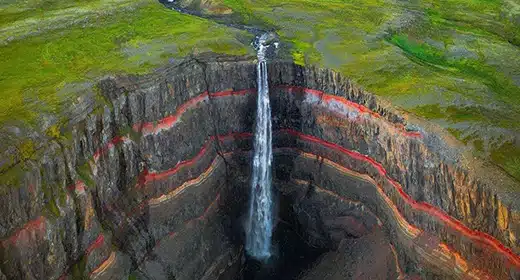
(259, 229)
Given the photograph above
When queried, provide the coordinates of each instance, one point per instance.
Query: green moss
(85, 174)
(62, 195)
(12, 178)
(457, 133)
(26, 150)
(129, 132)
(298, 57)
(36, 9)
(78, 269)
(241, 8)
(432, 111)
(54, 132)
(472, 68)
(508, 157)
(480, 16)
(53, 208)
(452, 113)
(50, 206)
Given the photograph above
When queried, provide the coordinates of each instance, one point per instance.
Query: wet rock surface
(155, 183)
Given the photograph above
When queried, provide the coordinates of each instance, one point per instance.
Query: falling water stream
(259, 229)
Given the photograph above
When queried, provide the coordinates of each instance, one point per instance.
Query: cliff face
(156, 182)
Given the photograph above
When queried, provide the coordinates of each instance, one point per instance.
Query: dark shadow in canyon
(292, 257)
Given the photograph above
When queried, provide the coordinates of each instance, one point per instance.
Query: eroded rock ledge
(155, 183)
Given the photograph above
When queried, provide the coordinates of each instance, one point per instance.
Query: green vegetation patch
(40, 9)
(509, 157)
(477, 69)
(85, 174)
(78, 270)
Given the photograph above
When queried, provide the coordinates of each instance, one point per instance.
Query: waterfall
(260, 223)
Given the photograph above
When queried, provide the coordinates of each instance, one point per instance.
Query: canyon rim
(149, 175)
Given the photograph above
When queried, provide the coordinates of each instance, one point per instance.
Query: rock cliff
(155, 183)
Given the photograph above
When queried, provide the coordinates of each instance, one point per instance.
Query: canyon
(155, 183)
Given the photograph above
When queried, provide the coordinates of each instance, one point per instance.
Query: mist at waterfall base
(259, 228)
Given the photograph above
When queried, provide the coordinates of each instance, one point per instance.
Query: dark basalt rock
(155, 183)
(367, 257)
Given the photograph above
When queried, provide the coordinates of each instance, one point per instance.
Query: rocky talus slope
(155, 183)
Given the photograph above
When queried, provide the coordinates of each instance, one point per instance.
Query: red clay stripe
(100, 240)
(168, 122)
(329, 98)
(36, 225)
(108, 146)
(148, 176)
(231, 92)
(79, 187)
(156, 176)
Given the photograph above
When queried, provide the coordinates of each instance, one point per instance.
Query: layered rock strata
(155, 183)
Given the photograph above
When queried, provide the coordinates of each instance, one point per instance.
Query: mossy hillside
(454, 62)
(22, 19)
(12, 10)
(35, 68)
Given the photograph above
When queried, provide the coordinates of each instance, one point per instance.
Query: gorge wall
(155, 183)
